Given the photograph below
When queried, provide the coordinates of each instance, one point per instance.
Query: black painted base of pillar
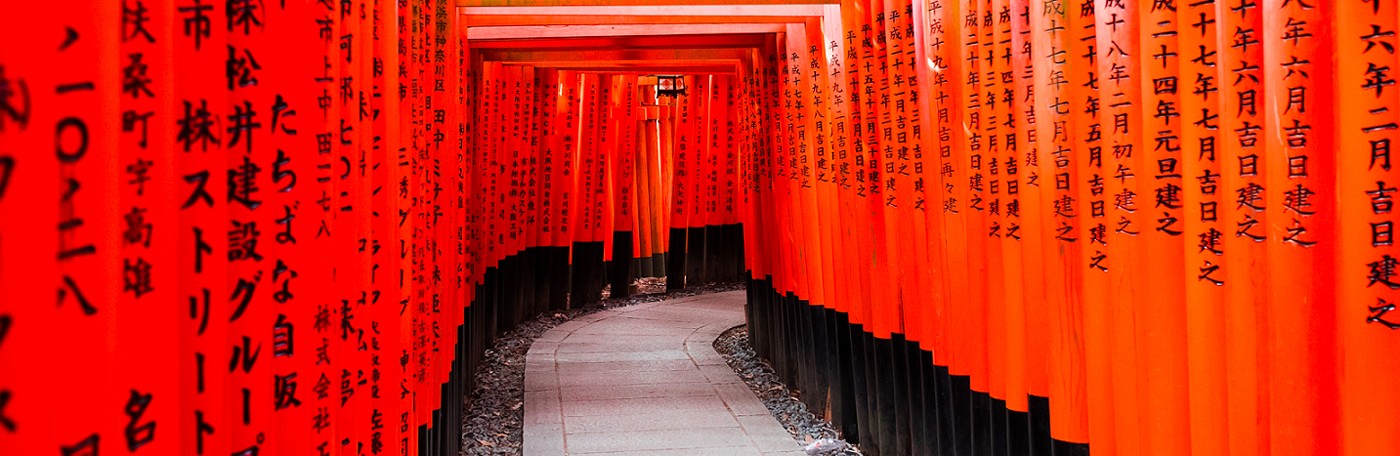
(621, 267)
(886, 395)
(675, 260)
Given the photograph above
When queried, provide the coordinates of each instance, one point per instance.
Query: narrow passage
(646, 380)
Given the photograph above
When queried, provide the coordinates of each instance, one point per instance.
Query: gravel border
(817, 433)
(494, 422)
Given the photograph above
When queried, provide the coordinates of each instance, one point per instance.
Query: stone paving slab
(646, 380)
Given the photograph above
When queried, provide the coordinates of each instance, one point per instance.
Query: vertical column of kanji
(518, 113)
(729, 169)
(384, 371)
(531, 149)
(1365, 55)
(536, 94)
(321, 297)
(1087, 146)
(837, 131)
(290, 95)
(349, 225)
(747, 173)
(1301, 206)
(763, 266)
(699, 153)
(1120, 85)
(782, 170)
(801, 202)
(1161, 359)
(1204, 249)
(753, 170)
(85, 133)
(465, 102)
(453, 157)
(565, 201)
(714, 128)
(1063, 243)
(436, 97)
(623, 172)
(589, 144)
(546, 96)
(28, 241)
(1027, 342)
(401, 139)
(909, 166)
(942, 39)
(248, 83)
(680, 186)
(201, 52)
(410, 139)
(944, 52)
(961, 205)
(146, 351)
(1238, 34)
(997, 94)
(924, 150)
(1057, 342)
(602, 199)
(885, 182)
(585, 262)
(382, 334)
(826, 235)
(551, 175)
(486, 163)
(971, 315)
(426, 286)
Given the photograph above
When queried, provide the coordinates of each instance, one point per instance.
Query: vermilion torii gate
(968, 227)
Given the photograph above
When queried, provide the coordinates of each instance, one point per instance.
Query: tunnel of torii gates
(967, 227)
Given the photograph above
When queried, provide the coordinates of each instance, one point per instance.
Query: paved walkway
(646, 380)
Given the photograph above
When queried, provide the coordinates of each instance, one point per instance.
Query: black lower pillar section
(981, 423)
(557, 265)
(1018, 432)
(737, 234)
(899, 391)
(866, 394)
(962, 415)
(885, 406)
(695, 257)
(1039, 432)
(945, 409)
(675, 260)
(1063, 448)
(887, 395)
(998, 427)
(922, 435)
(714, 254)
(843, 399)
(620, 272)
(587, 289)
(537, 260)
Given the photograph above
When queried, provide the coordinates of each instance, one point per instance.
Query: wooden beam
(629, 42)
(618, 30)
(493, 20)
(643, 8)
(668, 55)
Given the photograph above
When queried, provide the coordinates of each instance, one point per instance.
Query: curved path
(646, 380)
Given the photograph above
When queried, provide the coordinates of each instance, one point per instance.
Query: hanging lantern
(670, 86)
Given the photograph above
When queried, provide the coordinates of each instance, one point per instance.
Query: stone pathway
(646, 380)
